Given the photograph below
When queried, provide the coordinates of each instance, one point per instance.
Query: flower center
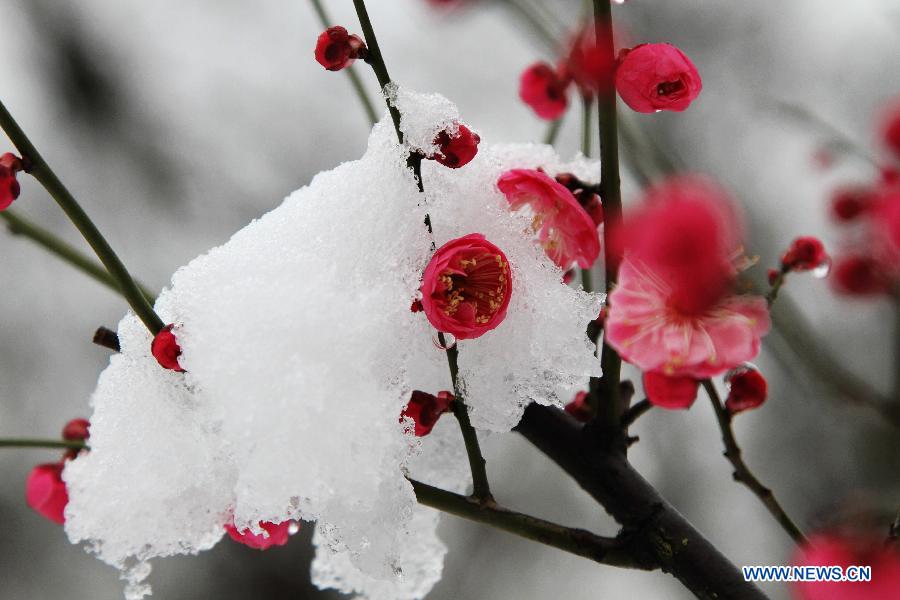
(668, 88)
(475, 286)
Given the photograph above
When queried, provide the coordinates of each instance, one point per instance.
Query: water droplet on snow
(449, 341)
(293, 528)
(822, 271)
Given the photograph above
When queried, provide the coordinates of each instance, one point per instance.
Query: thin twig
(40, 170)
(742, 473)
(19, 225)
(553, 131)
(352, 75)
(38, 443)
(481, 488)
(107, 338)
(605, 550)
(376, 60)
(611, 196)
(775, 286)
(635, 412)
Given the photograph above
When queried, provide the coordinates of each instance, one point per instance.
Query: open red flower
(673, 392)
(565, 229)
(425, 409)
(10, 164)
(805, 253)
(541, 88)
(45, 491)
(654, 77)
(845, 550)
(336, 49)
(747, 389)
(278, 534)
(165, 349)
(457, 150)
(466, 287)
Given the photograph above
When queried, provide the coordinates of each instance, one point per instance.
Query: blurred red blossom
(46, 493)
(845, 550)
(10, 164)
(542, 88)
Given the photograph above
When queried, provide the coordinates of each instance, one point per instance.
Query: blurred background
(175, 123)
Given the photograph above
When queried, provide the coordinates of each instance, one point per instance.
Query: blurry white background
(175, 123)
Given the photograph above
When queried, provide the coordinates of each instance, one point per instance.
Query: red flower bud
(858, 275)
(849, 202)
(10, 164)
(654, 77)
(670, 392)
(466, 287)
(425, 410)
(541, 88)
(45, 491)
(579, 407)
(747, 389)
(772, 276)
(279, 534)
(588, 64)
(456, 151)
(76, 430)
(805, 253)
(336, 49)
(890, 129)
(166, 350)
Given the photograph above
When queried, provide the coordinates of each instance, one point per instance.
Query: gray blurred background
(176, 122)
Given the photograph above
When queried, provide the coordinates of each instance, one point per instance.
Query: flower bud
(76, 430)
(541, 88)
(10, 164)
(278, 534)
(579, 407)
(336, 49)
(458, 150)
(425, 409)
(858, 275)
(747, 389)
(45, 491)
(655, 77)
(804, 254)
(849, 202)
(166, 350)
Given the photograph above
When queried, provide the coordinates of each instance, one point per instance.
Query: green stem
(352, 75)
(481, 489)
(608, 551)
(586, 104)
(376, 60)
(553, 131)
(742, 473)
(36, 443)
(19, 225)
(611, 196)
(775, 287)
(41, 171)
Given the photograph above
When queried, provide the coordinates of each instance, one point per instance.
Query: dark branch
(107, 338)
(657, 533)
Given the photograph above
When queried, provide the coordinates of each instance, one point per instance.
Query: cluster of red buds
(648, 77)
(45, 491)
